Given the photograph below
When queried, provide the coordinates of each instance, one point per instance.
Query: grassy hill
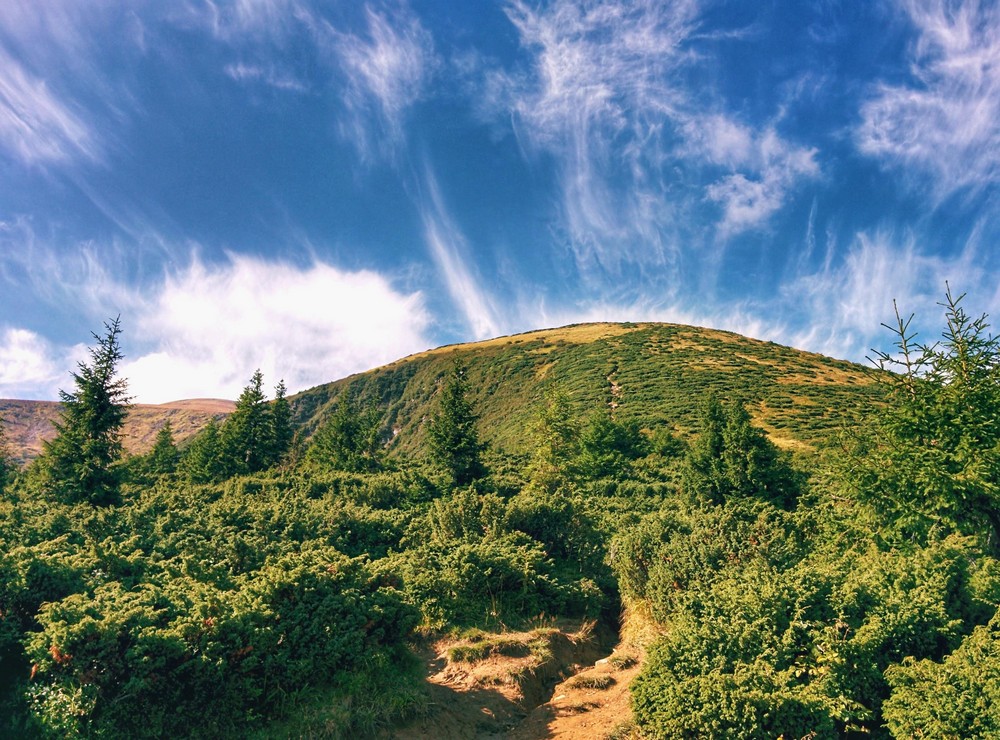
(655, 374)
(28, 424)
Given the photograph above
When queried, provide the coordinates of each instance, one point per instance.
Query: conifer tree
(202, 461)
(246, 434)
(454, 440)
(162, 459)
(79, 463)
(349, 438)
(6, 464)
(281, 424)
(734, 459)
(930, 459)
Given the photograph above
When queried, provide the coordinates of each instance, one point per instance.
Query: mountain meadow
(741, 539)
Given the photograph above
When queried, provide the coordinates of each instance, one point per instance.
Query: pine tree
(349, 438)
(202, 461)
(734, 459)
(454, 441)
(281, 424)
(162, 459)
(246, 434)
(79, 463)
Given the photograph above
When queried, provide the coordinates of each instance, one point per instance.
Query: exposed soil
(531, 685)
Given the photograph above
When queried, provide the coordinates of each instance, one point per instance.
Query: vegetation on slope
(280, 564)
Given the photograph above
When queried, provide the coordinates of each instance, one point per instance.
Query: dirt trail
(527, 685)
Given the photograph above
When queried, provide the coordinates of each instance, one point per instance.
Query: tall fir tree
(929, 460)
(162, 459)
(6, 463)
(246, 435)
(202, 460)
(454, 439)
(80, 462)
(281, 424)
(349, 437)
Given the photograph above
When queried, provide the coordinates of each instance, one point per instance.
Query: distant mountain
(656, 374)
(28, 423)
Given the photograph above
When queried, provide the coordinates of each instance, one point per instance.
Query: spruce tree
(454, 440)
(246, 434)
(80, 462)
(930, 459)
(162, 459)
(734, 459)
(202, 461)
(6, 464)
(349, 437)
(281, 424)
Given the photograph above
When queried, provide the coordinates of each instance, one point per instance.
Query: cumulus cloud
(946, 120)
(774, 167)
(210, 327)
(29, 366)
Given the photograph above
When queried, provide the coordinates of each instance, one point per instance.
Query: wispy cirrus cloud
(450, 251)
(639, 151)
(36, 125)
(847, 302)
(386, 72)
(946, 119)
(595, 96)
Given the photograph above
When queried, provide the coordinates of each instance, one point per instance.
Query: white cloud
(843, 306)
(36, 126)
(774, 166)
(386, 72)
(606, 95)
(28, 365)
(268, 75)
(947, 120)
(448, 248)
(211, 326)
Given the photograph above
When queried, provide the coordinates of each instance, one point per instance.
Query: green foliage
(246, 436)
(930, 462)
(7, 466)
(731, 458)
(452, 435)
(607, 447)
(282, 432)
(153, 661)
(555, 437)
(163, 458)
(349, 438)
(958, 697)
(79, 464)
(202, 461)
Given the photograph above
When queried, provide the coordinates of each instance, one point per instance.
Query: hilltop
(651, 373)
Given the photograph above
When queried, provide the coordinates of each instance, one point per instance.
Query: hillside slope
(27, 424)
(655, 374)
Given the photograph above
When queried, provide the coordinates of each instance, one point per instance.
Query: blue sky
(317, 188)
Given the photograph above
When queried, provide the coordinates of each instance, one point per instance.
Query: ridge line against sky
(316, 189)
